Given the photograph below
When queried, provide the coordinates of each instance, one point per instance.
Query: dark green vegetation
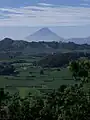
(35, 78)
(7, 69)
(66, 103)
(55, 87)
(24, 75)
(10, 49)
(61, 59)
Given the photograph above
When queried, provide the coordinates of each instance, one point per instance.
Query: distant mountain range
(79, 40)
(48, 42)
(45, 34)
(9, 47)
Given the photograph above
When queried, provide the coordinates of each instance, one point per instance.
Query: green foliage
(42, 72)
(4, 96)
(80, 69)
(60, 59)
(58, 69)
(66, 103)
(34, 63)
(6, 69)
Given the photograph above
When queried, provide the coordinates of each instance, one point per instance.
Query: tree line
(66, 103)
(61, 59)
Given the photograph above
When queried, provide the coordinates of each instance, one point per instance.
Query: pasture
(29, 79)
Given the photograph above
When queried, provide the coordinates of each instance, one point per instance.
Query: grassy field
(30, 80)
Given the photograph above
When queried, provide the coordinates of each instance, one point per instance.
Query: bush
(66, 103)
(58, 69)
(7, 69)
(41, 72)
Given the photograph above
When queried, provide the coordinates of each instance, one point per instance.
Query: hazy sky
(19, 18)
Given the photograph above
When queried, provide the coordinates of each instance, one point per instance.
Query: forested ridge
(61, 59)
(13, 48)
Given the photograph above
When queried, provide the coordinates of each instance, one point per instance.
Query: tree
(4, 102)
(34, 63)
(7, 69)
(65, 103)
(80, 69)
(42, 72)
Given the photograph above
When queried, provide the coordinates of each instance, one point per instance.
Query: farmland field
(29, 79)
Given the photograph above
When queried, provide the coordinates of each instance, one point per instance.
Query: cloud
(45, 4)
(45, 16)
(84, 4)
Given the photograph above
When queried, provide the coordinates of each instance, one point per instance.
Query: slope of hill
(44, 34)
(60, 60)
(79, 40)
(9, 47)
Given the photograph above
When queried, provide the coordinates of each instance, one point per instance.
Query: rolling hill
(12, 48)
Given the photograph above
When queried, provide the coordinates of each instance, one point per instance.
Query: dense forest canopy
(66, 103)
(61, 59)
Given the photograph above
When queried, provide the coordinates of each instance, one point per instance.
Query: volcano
(44, 34)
